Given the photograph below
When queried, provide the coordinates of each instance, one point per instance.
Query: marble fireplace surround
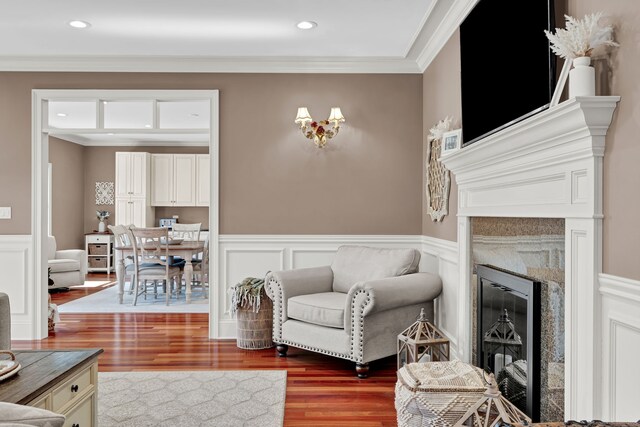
(547, 166)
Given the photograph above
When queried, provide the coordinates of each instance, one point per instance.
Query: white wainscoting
(253, 255)
(620, 322)
(441, 257)
(16, 281)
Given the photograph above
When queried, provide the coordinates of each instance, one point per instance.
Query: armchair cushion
(324, 309)
(63, 265)
(19, 415)
(354, 264)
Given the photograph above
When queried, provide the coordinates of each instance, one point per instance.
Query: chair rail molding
(547, 166)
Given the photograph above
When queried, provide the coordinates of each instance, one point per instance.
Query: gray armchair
(5, 322)
(353, 309)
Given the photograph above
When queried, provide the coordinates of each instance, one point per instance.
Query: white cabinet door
(123, 209)
(203, 180)
(131, 174)
(138, 177)
(123, 170)
(184, 179)
(138, 212)
(162, 180)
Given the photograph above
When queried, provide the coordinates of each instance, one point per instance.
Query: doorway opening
(130, 120)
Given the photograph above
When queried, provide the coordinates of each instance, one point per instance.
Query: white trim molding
(17, 282)
(439, 23)
(620, 323)
(440, 257)
(547, 166)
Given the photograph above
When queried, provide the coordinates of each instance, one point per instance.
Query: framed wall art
(438, 177)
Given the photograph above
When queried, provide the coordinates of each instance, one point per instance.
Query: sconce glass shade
(335, 116)
(303, 115)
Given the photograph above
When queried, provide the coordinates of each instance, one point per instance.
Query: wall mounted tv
(508, 71)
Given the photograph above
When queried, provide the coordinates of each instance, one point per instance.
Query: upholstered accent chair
(68, 266)
(353, 309)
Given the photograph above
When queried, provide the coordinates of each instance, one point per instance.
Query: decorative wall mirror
(438, 177)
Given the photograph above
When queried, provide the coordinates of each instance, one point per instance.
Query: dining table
(185, 249)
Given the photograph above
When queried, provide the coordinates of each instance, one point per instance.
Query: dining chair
(151, 260)
(121, 236)
(186, 231)
(201, 269)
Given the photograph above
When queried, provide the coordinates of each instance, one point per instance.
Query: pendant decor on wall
(105, 192)
(438, 177)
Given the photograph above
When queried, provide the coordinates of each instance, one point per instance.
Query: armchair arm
(282, 285)
(374, 296)
(75, 254)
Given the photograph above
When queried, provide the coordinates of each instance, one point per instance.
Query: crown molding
(439, 23)
(199, 64)
(443, 21)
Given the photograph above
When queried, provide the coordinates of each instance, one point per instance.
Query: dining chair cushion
(64, 265)
(154, 272)
(324, 309)
(132, 267)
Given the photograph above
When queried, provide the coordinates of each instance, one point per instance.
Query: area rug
(191, 398)
(107, 302)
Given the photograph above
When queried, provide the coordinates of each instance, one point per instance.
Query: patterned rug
(191, 398)
(107, 302)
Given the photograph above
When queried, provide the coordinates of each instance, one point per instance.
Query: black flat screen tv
(508, 71)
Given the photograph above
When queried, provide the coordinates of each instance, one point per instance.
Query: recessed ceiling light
(110, 133)
(61, 114)
(79, 24)
(147, 126)
(306, 25)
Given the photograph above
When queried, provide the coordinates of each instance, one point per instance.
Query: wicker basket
(437, 393)
(255, 329)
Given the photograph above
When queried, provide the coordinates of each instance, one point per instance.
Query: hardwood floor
(321, 390)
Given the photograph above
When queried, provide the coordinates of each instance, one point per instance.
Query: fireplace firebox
(508, 339)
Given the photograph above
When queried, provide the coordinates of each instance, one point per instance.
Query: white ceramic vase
(102, 227)
(582, 78)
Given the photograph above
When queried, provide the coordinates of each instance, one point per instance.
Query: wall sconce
(318, 131)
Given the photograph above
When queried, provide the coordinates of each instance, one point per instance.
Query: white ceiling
(355, 36)
(231, 35)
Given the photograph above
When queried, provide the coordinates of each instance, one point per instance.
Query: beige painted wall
(441, 98)
(67, 187)
(272, 180)
(617, 76)
(100, 165)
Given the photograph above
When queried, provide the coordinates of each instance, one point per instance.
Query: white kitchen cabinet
(133, 189)
(203, 179)
(173, 178)
(135, 210)
(132, 171)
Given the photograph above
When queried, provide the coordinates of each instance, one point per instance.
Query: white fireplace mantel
(547, 166)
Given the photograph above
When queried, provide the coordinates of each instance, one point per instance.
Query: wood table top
(41, 370)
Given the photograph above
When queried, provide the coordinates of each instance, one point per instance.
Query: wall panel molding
(620, 319)
(17, 282)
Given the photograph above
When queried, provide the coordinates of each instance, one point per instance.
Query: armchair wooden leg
(362, 369)
(282, 350)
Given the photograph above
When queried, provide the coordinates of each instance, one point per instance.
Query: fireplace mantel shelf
(552, 135)
(544, 166)
(547, 166)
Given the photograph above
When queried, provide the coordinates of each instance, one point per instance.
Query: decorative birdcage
(422, 342)
(492, 409)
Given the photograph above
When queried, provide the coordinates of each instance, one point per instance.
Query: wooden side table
(99, 248)
(62, 381)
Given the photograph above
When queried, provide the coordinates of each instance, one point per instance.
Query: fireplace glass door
(508, 336)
